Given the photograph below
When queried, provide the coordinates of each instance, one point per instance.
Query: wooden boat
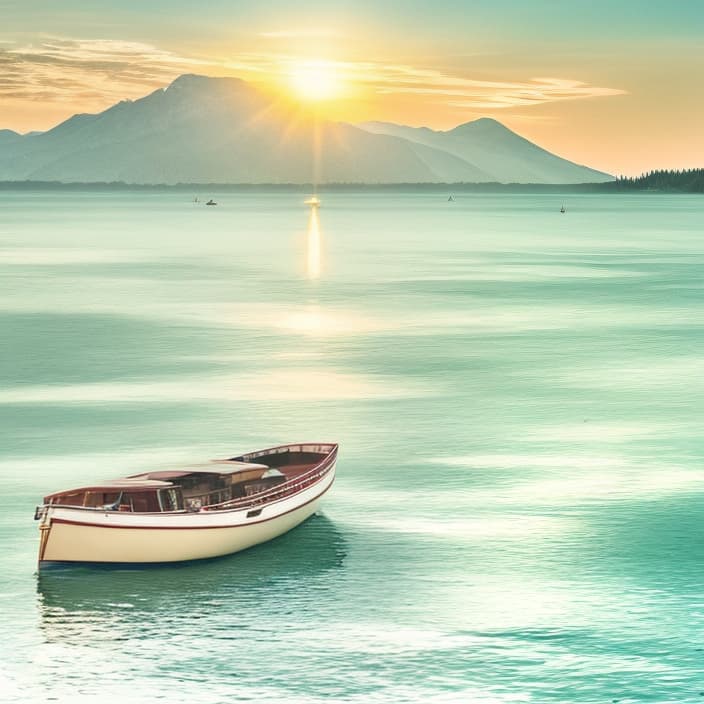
(190, 513)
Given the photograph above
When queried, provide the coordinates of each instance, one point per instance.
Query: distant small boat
(313, 201)
(562, 209)
(211, 202)
(451, 199)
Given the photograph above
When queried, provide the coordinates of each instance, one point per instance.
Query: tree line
(684, 181)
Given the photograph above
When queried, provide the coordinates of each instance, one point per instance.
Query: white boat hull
(75, 535)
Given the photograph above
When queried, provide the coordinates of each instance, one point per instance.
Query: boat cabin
(119, 495)
(187, 489)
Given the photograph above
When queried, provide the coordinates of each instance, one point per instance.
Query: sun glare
(315, 80)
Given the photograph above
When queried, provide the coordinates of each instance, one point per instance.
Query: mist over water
(517, 392)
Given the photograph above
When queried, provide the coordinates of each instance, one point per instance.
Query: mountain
(496, 151)
(223, 130)
(9, 137)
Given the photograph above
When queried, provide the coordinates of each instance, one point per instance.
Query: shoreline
(604, 187)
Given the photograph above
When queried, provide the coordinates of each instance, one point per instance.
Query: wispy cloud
(86, 70)
(435, 84)
(460, 91)
(91, 73)
(305, 33)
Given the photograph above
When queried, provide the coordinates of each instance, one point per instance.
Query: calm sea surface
(518, 395)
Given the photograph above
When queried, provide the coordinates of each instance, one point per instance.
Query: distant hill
(9, 137)
(496, 152)
(223, 130)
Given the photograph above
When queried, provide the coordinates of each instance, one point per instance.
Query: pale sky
(613, 84)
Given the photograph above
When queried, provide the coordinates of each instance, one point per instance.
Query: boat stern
(43, 515)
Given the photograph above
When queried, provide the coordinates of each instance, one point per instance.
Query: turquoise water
(519, 510)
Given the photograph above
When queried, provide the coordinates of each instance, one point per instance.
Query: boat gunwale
(297, 484)
(66, 521)
(317, 470)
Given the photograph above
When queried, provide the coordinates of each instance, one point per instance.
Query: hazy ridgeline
(224, 130)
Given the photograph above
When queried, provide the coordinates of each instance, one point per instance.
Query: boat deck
(295, 470)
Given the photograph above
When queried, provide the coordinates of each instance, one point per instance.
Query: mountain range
(223, 130)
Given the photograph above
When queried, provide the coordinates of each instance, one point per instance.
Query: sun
(315, 80)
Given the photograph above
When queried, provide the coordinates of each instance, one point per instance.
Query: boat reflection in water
(314, 244)
(80, 604)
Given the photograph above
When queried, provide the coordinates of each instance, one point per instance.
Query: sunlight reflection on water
(314, 244)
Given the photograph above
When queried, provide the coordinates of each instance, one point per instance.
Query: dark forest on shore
(685, 181)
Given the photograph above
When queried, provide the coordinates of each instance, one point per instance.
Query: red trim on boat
(240, 525)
